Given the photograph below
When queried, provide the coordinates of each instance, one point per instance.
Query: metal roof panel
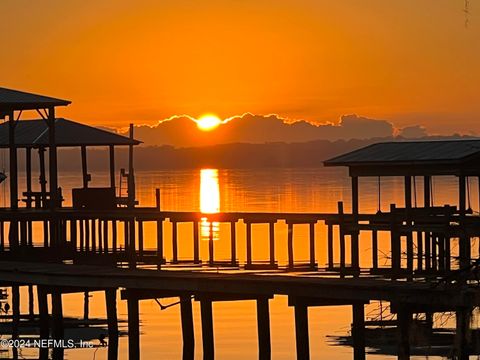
(32, 133)
(433, 151)
(11, 100)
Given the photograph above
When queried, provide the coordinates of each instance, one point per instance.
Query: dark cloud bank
(249, 128)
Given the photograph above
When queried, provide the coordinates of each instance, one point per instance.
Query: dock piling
(301, 331)
(263, 328)
(111, 305)
(358, 331)
(133, 327)
(187, 327)
(207, 329)
(404, 319)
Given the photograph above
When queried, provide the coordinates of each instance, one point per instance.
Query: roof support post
(461, 194)
(52, 152)
(28, 170)
(408, 192)
(112, 166)
(85, 178)
(408, 207)
(426, 191)
(13, 233)
(52, 162)
(131, 176)
(13, 162)
(355, 195)
(355, 233)
(42, 178)
(464, 244)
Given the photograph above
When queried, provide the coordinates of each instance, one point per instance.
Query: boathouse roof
(11, 100)
(434, 157)
(68, 133)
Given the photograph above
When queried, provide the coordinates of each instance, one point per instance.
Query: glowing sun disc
(208, 122)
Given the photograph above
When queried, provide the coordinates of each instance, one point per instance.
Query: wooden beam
(111, 306)
(291, 259)
(330, 245)
(358, 331)
(43, 312)
(159, 244)
(131, 175)
(57, 315)
(341, 233)
(112, 166)
(312, 245)
(395, 242)
(355, 195)
(404, 319)
(140, 238)
(52, 161)
(15, 310)
(263, 328)
(86, 305)
(43, 177)
(355, 251)
(132, 253)
(408, 192)
(426, 191)
(301, 332)
(375, 249)
(13, 162)
(207, 329)
(174, 242)
(133, 329)
(211, 254)
(28, 175)
(271, 236)
(463, 316)
(85, 177)
(419, 250)
(187, 327)
(249, 243)
(31, 302)
(462, 194)
(196, 242)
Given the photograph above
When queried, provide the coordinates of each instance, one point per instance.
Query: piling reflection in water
(209, 203)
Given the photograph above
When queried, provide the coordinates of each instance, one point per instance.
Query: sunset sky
(406, 61)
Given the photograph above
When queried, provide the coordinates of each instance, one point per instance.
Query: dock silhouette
(98, 243)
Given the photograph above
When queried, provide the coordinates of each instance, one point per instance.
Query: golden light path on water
(209, 202)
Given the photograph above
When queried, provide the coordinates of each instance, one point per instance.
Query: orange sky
(408, 61)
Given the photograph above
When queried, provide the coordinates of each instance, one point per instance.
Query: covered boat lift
(408, 159)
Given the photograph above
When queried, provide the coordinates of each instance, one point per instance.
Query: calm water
(278, 190)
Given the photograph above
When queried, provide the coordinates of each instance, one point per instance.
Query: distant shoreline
(226, 156)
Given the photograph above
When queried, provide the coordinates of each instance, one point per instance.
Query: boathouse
(424, 159)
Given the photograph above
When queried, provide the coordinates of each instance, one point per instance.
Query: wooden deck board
(233, 282)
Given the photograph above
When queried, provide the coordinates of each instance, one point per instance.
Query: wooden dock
(425, 272)
(303, 290)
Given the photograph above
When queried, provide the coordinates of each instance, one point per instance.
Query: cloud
(413, 132)
(182, 131)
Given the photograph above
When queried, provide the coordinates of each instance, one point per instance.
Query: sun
(208, 122)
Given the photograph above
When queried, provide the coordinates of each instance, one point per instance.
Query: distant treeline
(306, 154)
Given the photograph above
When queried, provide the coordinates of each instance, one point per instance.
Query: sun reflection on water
(209, 203)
